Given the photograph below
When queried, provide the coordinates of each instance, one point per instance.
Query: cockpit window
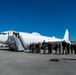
(3, 33)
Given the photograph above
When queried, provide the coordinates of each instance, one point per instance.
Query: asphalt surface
(24, 63)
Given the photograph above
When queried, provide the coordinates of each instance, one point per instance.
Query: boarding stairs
(22, 42)
(18, 43)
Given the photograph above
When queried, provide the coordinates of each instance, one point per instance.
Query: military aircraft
(23, 38)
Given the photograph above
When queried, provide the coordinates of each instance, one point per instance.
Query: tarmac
(25, 63)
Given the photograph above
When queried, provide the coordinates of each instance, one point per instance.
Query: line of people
(35, 47)
(58, 47)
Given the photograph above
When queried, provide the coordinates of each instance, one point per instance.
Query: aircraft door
(10, 33)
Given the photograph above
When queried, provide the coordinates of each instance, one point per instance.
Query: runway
(24, 63)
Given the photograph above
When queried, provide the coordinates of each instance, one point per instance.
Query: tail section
(66, 36)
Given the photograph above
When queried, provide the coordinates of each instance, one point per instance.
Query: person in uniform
(49, 48)
(44, 47)
(68, 45)
(64, 44)
(75, 49)
(56, 48)
(59, 47)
